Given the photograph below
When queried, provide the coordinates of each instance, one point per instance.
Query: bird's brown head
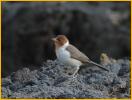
(60, 40)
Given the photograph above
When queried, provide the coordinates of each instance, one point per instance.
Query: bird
(70, 55)
(106, 60)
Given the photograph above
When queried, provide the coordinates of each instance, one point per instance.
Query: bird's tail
(100, 66)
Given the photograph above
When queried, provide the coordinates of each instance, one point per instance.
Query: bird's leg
(76, 71)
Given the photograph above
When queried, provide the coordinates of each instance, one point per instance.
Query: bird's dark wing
(76, 54)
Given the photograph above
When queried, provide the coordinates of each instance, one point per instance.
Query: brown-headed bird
(70, 55)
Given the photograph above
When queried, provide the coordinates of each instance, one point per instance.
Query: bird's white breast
(62, 54)
(65, 57)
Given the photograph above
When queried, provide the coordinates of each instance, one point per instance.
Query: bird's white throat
(62, 54)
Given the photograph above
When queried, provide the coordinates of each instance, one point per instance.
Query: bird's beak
(54, 39)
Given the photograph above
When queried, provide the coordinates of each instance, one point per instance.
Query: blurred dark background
(94, 27)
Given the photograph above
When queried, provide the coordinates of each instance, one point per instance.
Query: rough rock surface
(54, 80)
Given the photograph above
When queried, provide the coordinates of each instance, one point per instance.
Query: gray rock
(6, 92)
(53, 81)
